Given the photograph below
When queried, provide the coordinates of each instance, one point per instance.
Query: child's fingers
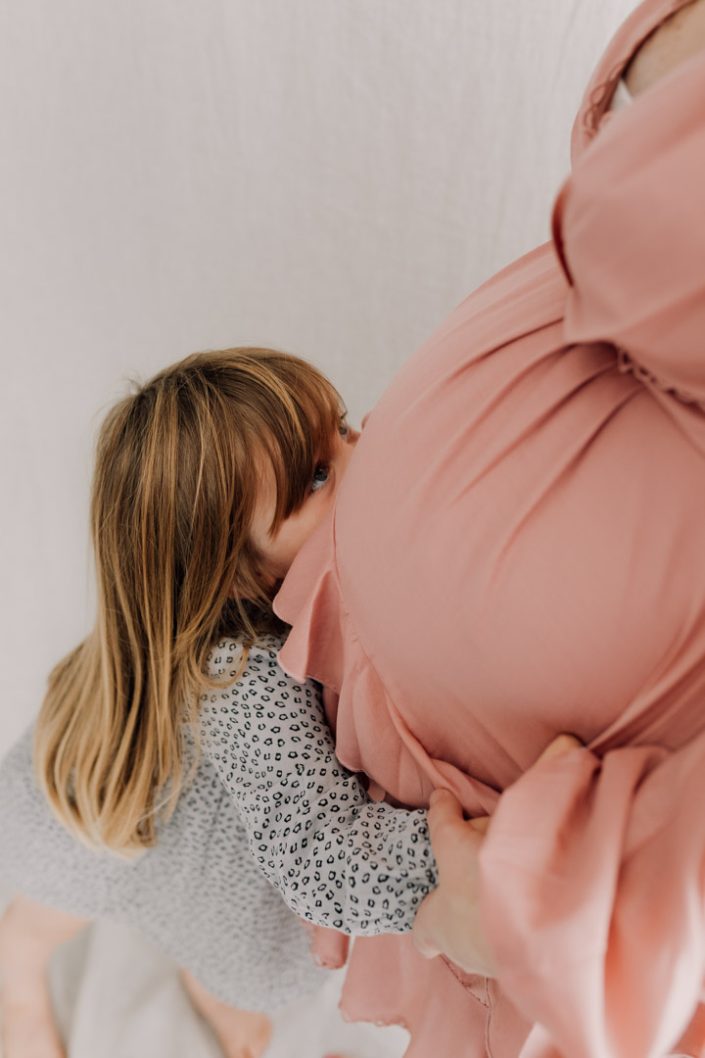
(328, 946)
(561, 744)
(439, 795)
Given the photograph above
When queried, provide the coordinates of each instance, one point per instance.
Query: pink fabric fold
(598, 917)
(323, 645)
(516, 551)
(641, 284)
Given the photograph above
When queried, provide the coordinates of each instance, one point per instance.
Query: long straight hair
(177, 473)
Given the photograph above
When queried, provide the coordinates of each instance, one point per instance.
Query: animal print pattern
(338, 858)
(268, 797)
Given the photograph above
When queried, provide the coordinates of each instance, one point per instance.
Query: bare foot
(28, 1030)
(240, 1033)
(29, 933)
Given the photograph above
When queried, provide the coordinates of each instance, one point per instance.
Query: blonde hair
(176, 479)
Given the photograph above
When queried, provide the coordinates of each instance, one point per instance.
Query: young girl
(171, 737)
(89, 800)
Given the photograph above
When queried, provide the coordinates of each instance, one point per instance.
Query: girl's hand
(448, 921)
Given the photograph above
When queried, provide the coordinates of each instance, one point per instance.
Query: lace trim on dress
(626, 365)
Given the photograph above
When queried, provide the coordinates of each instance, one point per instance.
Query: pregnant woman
(482, 586)
(517, 550)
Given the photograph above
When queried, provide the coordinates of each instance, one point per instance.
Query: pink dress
(517, 551)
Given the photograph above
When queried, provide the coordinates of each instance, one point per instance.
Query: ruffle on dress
(627, 874)
(592, 868)
(323, 645)
(444, 1009)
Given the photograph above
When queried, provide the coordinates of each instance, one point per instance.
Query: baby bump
(520, 550)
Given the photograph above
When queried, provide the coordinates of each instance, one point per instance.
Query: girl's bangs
(303, 436)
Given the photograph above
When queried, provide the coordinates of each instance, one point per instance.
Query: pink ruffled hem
(323, 645)
(444, 1011)
(388, 983)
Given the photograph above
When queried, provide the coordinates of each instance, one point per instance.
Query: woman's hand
(448, 921)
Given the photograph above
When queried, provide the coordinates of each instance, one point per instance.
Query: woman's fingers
(445, 814)
(449, 920)
(446, 822)
(480, 823)
(561, 744)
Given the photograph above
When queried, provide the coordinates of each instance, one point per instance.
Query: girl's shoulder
(225, 656)
(251, 701)
(256, 682)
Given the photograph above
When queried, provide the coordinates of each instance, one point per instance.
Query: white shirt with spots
(268, 798)
(338, 858)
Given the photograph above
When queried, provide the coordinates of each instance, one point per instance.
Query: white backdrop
(327, 176)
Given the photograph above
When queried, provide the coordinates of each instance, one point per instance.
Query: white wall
(329, 176)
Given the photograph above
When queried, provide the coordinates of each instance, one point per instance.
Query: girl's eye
(320, 477)
(343, 429)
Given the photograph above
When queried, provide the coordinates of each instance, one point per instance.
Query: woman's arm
(449, 921)
(625, 234)
(678, 38)
(593, 900)
(338, 858)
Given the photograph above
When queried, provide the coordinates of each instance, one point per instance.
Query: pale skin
(677, 39)
(30, 933)
(280, 549)
(447, 921)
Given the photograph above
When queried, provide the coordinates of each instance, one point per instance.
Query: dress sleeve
(338, 858)
(593, 900)
(629, 231)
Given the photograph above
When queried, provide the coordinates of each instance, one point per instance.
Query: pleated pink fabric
(517, 551)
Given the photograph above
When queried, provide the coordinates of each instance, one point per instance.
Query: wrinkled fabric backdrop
(326, 176)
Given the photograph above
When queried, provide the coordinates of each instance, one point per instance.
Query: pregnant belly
(527, 573)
